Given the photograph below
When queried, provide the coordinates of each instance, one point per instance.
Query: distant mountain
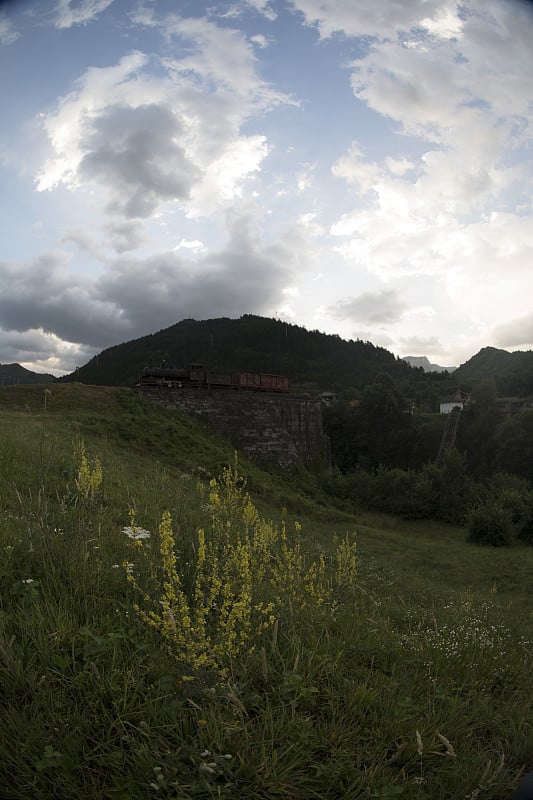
(311, 360)
(425, 363)
(13, 374)
(512, 372)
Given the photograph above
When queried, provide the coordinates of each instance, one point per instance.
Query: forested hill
(310, 359)
(13, 374)
(512, 372)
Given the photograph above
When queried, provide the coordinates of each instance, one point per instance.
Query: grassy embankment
(413, 683)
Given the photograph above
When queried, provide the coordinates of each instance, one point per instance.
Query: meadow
(178, 624)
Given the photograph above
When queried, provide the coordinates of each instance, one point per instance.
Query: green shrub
(392, 490)
(490, 524)
(525, 528)
(525, 534)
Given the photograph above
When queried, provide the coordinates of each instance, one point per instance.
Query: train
(197, 376)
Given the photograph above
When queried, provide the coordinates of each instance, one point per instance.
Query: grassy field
(414, 681)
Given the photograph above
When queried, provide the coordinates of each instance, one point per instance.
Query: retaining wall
(270, 428)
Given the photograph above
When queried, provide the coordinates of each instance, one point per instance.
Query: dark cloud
(119, 235)
(380, 308)
(26, 346)
(136, 296)
(45, 294)
(125, 235)
(45, 351)
(83, 239)
(135, 154)
(245, 277)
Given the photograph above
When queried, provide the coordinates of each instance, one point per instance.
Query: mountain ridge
(311, 359)
(13, 374)
(512, 373)
(426, 364)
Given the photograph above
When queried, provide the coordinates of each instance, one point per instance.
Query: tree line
(384, 450)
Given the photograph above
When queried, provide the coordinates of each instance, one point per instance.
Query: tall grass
(411, 681)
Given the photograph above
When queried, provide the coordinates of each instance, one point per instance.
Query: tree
(384, 425)
(514, 441)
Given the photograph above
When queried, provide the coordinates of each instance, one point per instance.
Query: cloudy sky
(360, 168)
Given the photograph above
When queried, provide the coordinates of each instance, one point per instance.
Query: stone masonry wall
(269, 428)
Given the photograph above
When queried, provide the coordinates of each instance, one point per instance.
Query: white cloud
(224, 178)
(515, 333)
(453, 211)
(260, 41)
(424, 312)
(375, 336)
(8, 33)
(309, 222)
(97, 90)
(381, 18)
(399, 166)
(421, 344)
(286, 312)
(353, 168)
(264, 7)
(305, 178)
(451, 79)
(221, 55)
(445, 22)
(68, 13)
(195, 246)
(145, 140)
(381, 308)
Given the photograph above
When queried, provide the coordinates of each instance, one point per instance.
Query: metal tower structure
(449, 435)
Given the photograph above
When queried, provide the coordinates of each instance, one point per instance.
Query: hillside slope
(512, 372)
(310, 359)
(14, 374)
(331, 683)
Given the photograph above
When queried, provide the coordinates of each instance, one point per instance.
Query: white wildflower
(136, 534)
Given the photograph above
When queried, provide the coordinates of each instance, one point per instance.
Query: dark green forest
(384, 452)
(312, 360)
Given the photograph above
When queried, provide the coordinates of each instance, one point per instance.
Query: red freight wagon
(260, 381)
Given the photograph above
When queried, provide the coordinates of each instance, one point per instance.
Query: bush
(525, 529)
(491, 525)
(525, 534)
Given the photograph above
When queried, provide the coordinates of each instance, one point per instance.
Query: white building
(457, 400)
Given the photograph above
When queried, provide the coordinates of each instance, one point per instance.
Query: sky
(359, 168)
